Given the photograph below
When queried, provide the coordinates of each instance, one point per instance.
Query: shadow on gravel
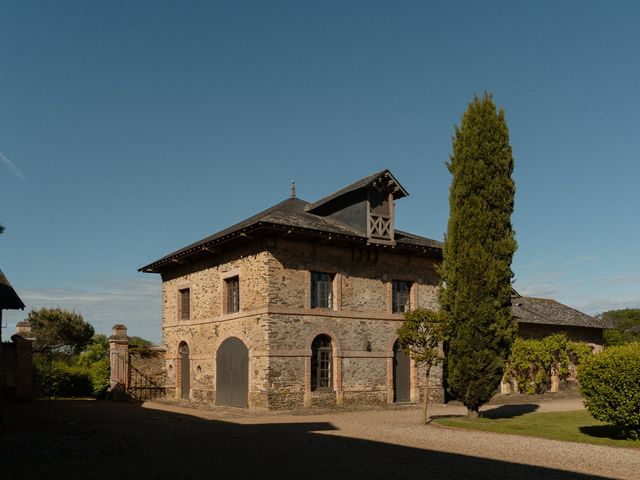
(83, 439)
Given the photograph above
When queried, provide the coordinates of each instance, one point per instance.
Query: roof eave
(156, 266)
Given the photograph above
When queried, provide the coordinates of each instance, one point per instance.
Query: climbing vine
(532, 362)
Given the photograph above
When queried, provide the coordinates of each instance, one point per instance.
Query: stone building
(299, 305)
(540, 317)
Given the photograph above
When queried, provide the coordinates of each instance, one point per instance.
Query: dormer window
(366, 205)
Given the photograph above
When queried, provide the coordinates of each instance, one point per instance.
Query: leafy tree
(139, 342)
(58, 330)
(68, 374)
(478, 249)
(96, 350)
(421, 334)
(95, 359)
(1, 228)
(626, 326)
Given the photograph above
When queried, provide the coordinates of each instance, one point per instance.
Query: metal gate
(401, 375)
(232, 373)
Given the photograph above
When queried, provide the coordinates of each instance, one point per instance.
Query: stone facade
(277, 324)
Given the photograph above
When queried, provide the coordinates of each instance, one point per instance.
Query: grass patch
(574, 426)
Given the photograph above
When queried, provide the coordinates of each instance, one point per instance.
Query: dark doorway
(232, 373)
(184, 371)
(401, 375)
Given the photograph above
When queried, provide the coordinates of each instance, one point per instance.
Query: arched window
(321, 364)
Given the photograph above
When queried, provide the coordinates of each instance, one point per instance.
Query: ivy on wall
(532, 362)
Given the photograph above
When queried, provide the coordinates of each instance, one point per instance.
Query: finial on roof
(293, 189)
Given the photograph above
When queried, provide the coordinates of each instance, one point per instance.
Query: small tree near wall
(421, 334)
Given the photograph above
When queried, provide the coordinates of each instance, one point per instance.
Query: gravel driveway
(85, 439)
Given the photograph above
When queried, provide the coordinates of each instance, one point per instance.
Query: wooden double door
(232, 373)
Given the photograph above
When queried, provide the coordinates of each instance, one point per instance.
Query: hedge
(55, 377)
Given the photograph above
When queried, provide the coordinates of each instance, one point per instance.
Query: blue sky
(130, 129)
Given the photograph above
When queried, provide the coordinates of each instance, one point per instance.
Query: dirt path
(85, 439)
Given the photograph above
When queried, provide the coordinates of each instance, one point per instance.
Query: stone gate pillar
(24, 340)
(119, 358)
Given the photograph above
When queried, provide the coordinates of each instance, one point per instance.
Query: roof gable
(382, 180)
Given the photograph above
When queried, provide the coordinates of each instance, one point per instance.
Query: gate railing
(142, 387)
(128, 381)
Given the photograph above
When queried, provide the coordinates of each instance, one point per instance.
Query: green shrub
(64, 374)
(99, 373)
(610, 385)
(578, 352)
(54, 377)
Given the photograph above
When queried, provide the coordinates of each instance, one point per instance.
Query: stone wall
(205, 280)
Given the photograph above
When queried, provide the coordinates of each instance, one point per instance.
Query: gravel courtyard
(93, 439)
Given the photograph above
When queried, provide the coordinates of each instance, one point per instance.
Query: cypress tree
(478, 248)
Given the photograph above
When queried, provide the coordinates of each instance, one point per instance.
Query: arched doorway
(232, 373)
(321, 364)
(401, 375)
(185, 368)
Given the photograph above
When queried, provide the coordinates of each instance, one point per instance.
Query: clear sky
(131, 129)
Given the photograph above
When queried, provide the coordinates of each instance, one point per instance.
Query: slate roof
(550, 312)
(9, 299)
(293, 214)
